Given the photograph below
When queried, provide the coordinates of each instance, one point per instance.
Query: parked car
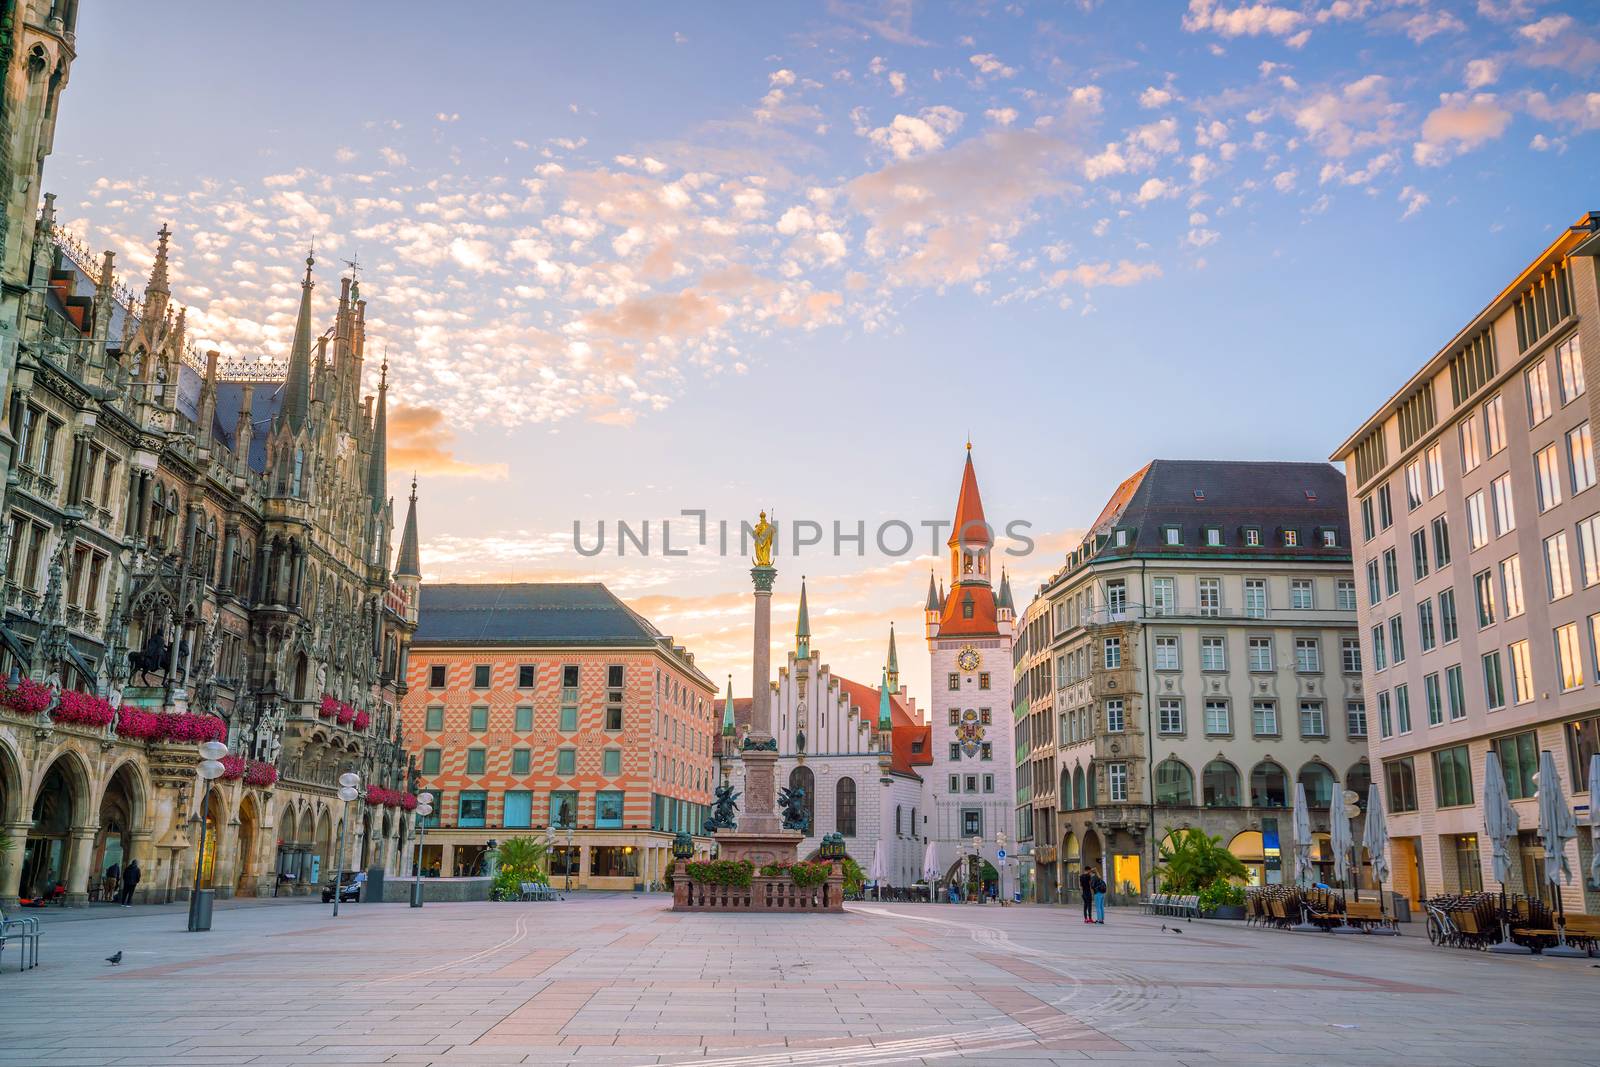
(349, 888)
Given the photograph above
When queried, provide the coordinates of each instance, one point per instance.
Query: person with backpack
(130, 881)
(1099, 888)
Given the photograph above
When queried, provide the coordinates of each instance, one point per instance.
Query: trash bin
(200, 910)
(416, 894)
(372, 892)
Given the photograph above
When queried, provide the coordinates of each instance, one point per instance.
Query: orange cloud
(420, 441)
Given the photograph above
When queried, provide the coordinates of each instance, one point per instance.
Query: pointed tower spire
(894, 662)
(409, 563)
(297, 391)
(933, 603)
(156, 290)
(378, 467)
(1005, 591)
(970, 526)
(885, 720)
(802, 626)
(727, 711)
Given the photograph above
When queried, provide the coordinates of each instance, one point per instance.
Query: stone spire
(409, 563)
(1005, 592)
(727, 711)
(933, 595)
(802, 626)
(156, 290)
(378, 468)
(885, 720)
(297, 391)
(894, 662)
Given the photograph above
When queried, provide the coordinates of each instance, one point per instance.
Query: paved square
(620, 979)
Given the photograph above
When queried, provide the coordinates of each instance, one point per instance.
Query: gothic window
(802, 776)
(845, 805)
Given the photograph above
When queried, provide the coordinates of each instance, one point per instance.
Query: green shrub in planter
(1219, 894)
(723, 872)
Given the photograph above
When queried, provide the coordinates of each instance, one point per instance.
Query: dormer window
(966, 607)
(1252, 537)
(1213, 537)
(1291, 538)
(1171, 536)
(1330, 538)
(1120, 539)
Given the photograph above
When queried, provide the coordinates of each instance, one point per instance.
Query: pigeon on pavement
(1171, 929)
(115, 958)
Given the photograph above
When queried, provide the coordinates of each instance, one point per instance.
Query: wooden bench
(1360, 912)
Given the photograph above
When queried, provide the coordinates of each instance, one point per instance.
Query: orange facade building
(555, 710)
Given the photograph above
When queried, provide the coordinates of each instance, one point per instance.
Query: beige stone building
(1477, 551)
(1204, 658)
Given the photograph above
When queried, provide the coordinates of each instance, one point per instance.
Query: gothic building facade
(191, 549)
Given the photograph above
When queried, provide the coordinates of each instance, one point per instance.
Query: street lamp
(424, 809)
(567, 820)
(211, 753)
(1000, 858)
(977, 864)
(349, 789)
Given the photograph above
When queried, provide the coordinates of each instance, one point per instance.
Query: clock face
(968, 659)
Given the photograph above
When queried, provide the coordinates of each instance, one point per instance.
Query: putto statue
(792, 802)
(722, 815)
(763, 532)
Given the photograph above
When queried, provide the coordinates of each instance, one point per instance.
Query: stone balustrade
(762, 894)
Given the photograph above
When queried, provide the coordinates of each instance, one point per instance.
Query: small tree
(522, 859)
(1192, 859)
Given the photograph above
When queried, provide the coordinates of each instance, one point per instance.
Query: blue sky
(629, 259)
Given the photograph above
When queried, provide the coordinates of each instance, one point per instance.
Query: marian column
(760, 750)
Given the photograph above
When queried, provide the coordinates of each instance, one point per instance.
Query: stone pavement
(619, 979)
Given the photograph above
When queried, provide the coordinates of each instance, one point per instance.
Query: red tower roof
(970, 527)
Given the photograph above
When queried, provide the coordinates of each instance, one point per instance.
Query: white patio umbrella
(880, 867)
(1302, 837)
(1594, 817)
(1340, 841)
(1302, 852)
(930, 863)
(1376, 838)
(1556, 828)
(1500, 826)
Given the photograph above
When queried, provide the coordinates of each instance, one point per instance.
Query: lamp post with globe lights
(423, 810)
(210, 769)
(349, 789)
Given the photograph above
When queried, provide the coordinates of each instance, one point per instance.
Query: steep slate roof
(531, 614)
(1232, 495)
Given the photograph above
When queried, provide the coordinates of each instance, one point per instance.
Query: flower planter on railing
(136, 724)
(379, 797)
(83, 709)
(28, 698)
(342, 713)
(252, 772)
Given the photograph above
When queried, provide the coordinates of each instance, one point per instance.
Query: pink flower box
(84, 709)
(28, 698)
(140, 725)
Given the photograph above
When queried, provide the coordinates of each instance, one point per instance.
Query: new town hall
(192, 549)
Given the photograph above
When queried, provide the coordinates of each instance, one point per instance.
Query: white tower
(970, 790)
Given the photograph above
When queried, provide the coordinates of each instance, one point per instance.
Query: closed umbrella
(1376, 838)
(1302, 852)
(1302, 837)
(1594, 817)
(930, 863)
(1500, 826)
(1556, 828)
(880, 867)
(1340, 841)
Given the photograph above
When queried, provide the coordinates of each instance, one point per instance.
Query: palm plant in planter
(1193, 861)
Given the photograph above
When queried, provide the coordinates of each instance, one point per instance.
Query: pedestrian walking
(1086, 890)
(130, 882)
(1099, 899)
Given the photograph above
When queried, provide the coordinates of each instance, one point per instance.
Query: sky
(631, 260)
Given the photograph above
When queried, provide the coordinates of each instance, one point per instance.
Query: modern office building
(1202, 659)
(555, 710)
(1478, 556)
